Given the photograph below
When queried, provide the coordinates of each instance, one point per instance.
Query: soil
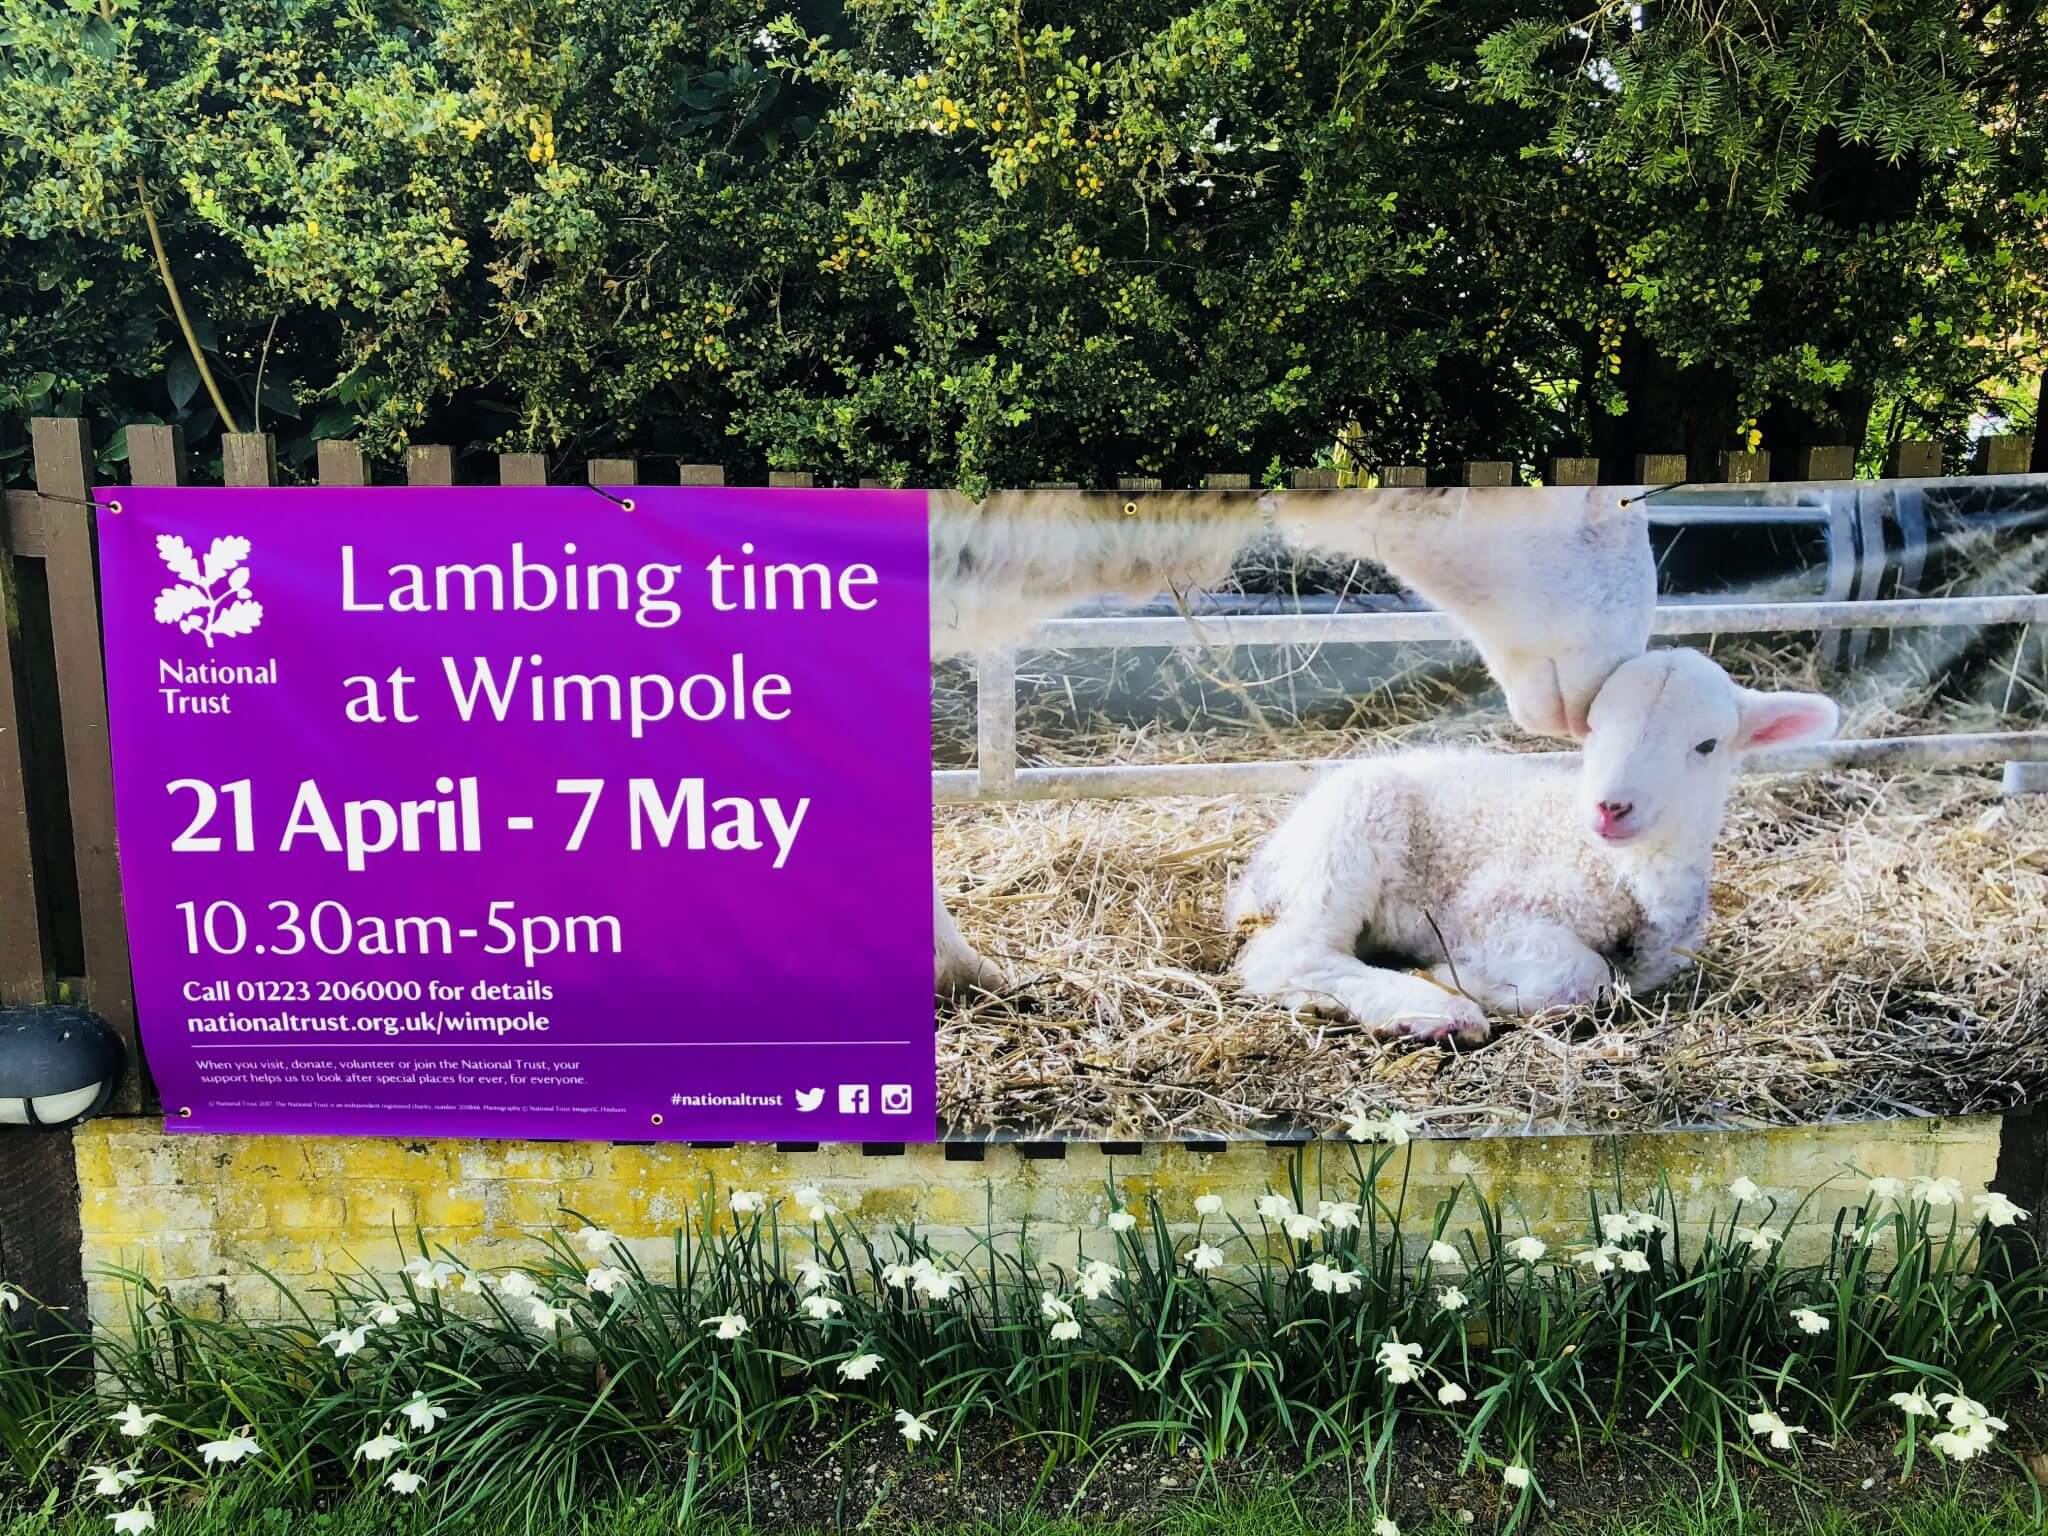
(874, 1482)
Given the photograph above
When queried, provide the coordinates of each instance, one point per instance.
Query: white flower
(748, 1202)
(111, 1482)
(730, 1325)
(1993, 1207)
(1065, 1330)
(1963, 1442)
(937, 1283)
(595, 1241)
(1451, 1299)
(1882, 1188)
(811, 1200)
(405, 1482)
(430, 1274)
(133, 1522)
(382, 1448)
(1208, 1205)
(1528, 1249)
(1937, 1191)
(1120, 1221)
(1385, 1527)
(819, 1307)
(423, 1413)
(474, 1283)
(1450, 1394)
(859, 1368)
(388, 1313)
(1634, 1261)
(913, 1427)
(1745, 1188)
(1331, 1281)
(10, 1298)
(898, 1276)
(1205, 1256)
(1756, 1239)
(1599, 1260)
(813, 1276)
(1338, 1215)
(347, 1341)
(1397, 1360)
(1515, 1476)
(1054, 1308)
(1394, 1129)
(1764, 1422)
(1913, 1404)
(228, 1450)
(134, 1422)
(1441, 1252)
(1619, 1226)
(1097, 1279)
(1809, 1321)
(1302, 1228)
(605, 1280)
(548, 1319)
(1275, 1207)
(1967, 1412)
(518, 1285)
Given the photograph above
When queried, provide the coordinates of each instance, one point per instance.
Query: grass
(1262, 1515)
(1335, 1333)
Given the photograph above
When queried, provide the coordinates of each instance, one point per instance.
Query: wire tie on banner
(1627, 501)
(625, 502)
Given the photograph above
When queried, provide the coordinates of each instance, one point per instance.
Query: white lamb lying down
(1517, 883)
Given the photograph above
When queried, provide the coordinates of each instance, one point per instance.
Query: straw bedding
(1879, 944)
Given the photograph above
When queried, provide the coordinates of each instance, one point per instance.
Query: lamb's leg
(1299, 967)
(1312, 886)
(955, 965)
(1526, 967)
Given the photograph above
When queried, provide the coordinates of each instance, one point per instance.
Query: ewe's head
(1556, 588)
(1667, 731)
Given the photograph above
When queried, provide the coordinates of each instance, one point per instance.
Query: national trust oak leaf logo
(212, 596)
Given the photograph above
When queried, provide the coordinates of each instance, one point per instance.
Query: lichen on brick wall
(201, 1214)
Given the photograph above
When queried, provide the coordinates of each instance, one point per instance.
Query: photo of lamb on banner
(1208, 872)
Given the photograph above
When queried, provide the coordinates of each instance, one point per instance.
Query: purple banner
(511, 812)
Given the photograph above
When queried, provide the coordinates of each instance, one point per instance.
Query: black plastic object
(56, 1050)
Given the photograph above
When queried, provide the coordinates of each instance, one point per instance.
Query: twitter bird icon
(808, 1099)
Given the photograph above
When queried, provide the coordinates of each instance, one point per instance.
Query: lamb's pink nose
(1609, 816)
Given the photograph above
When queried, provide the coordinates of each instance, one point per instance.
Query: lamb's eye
(1706, 748)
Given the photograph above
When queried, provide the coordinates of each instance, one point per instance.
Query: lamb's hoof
(1459, 1021)
(957, 975)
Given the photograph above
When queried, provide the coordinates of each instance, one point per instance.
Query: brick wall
(199, 1212)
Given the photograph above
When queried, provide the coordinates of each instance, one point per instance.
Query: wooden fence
(63, 934)
(62, 929)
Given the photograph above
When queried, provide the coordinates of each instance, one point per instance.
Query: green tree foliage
(969, 242)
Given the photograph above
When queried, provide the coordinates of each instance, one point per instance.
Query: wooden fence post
(1661, 469)
(522, 469)
(341, 463)
(1403, 475)
(1487, 472)
(1914, 458)
(2007, 455)
(248, 458)
(21, 924)
(429, 464)
(1568, 471)
(63, 459)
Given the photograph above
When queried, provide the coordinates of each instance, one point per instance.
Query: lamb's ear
(1783, 719)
